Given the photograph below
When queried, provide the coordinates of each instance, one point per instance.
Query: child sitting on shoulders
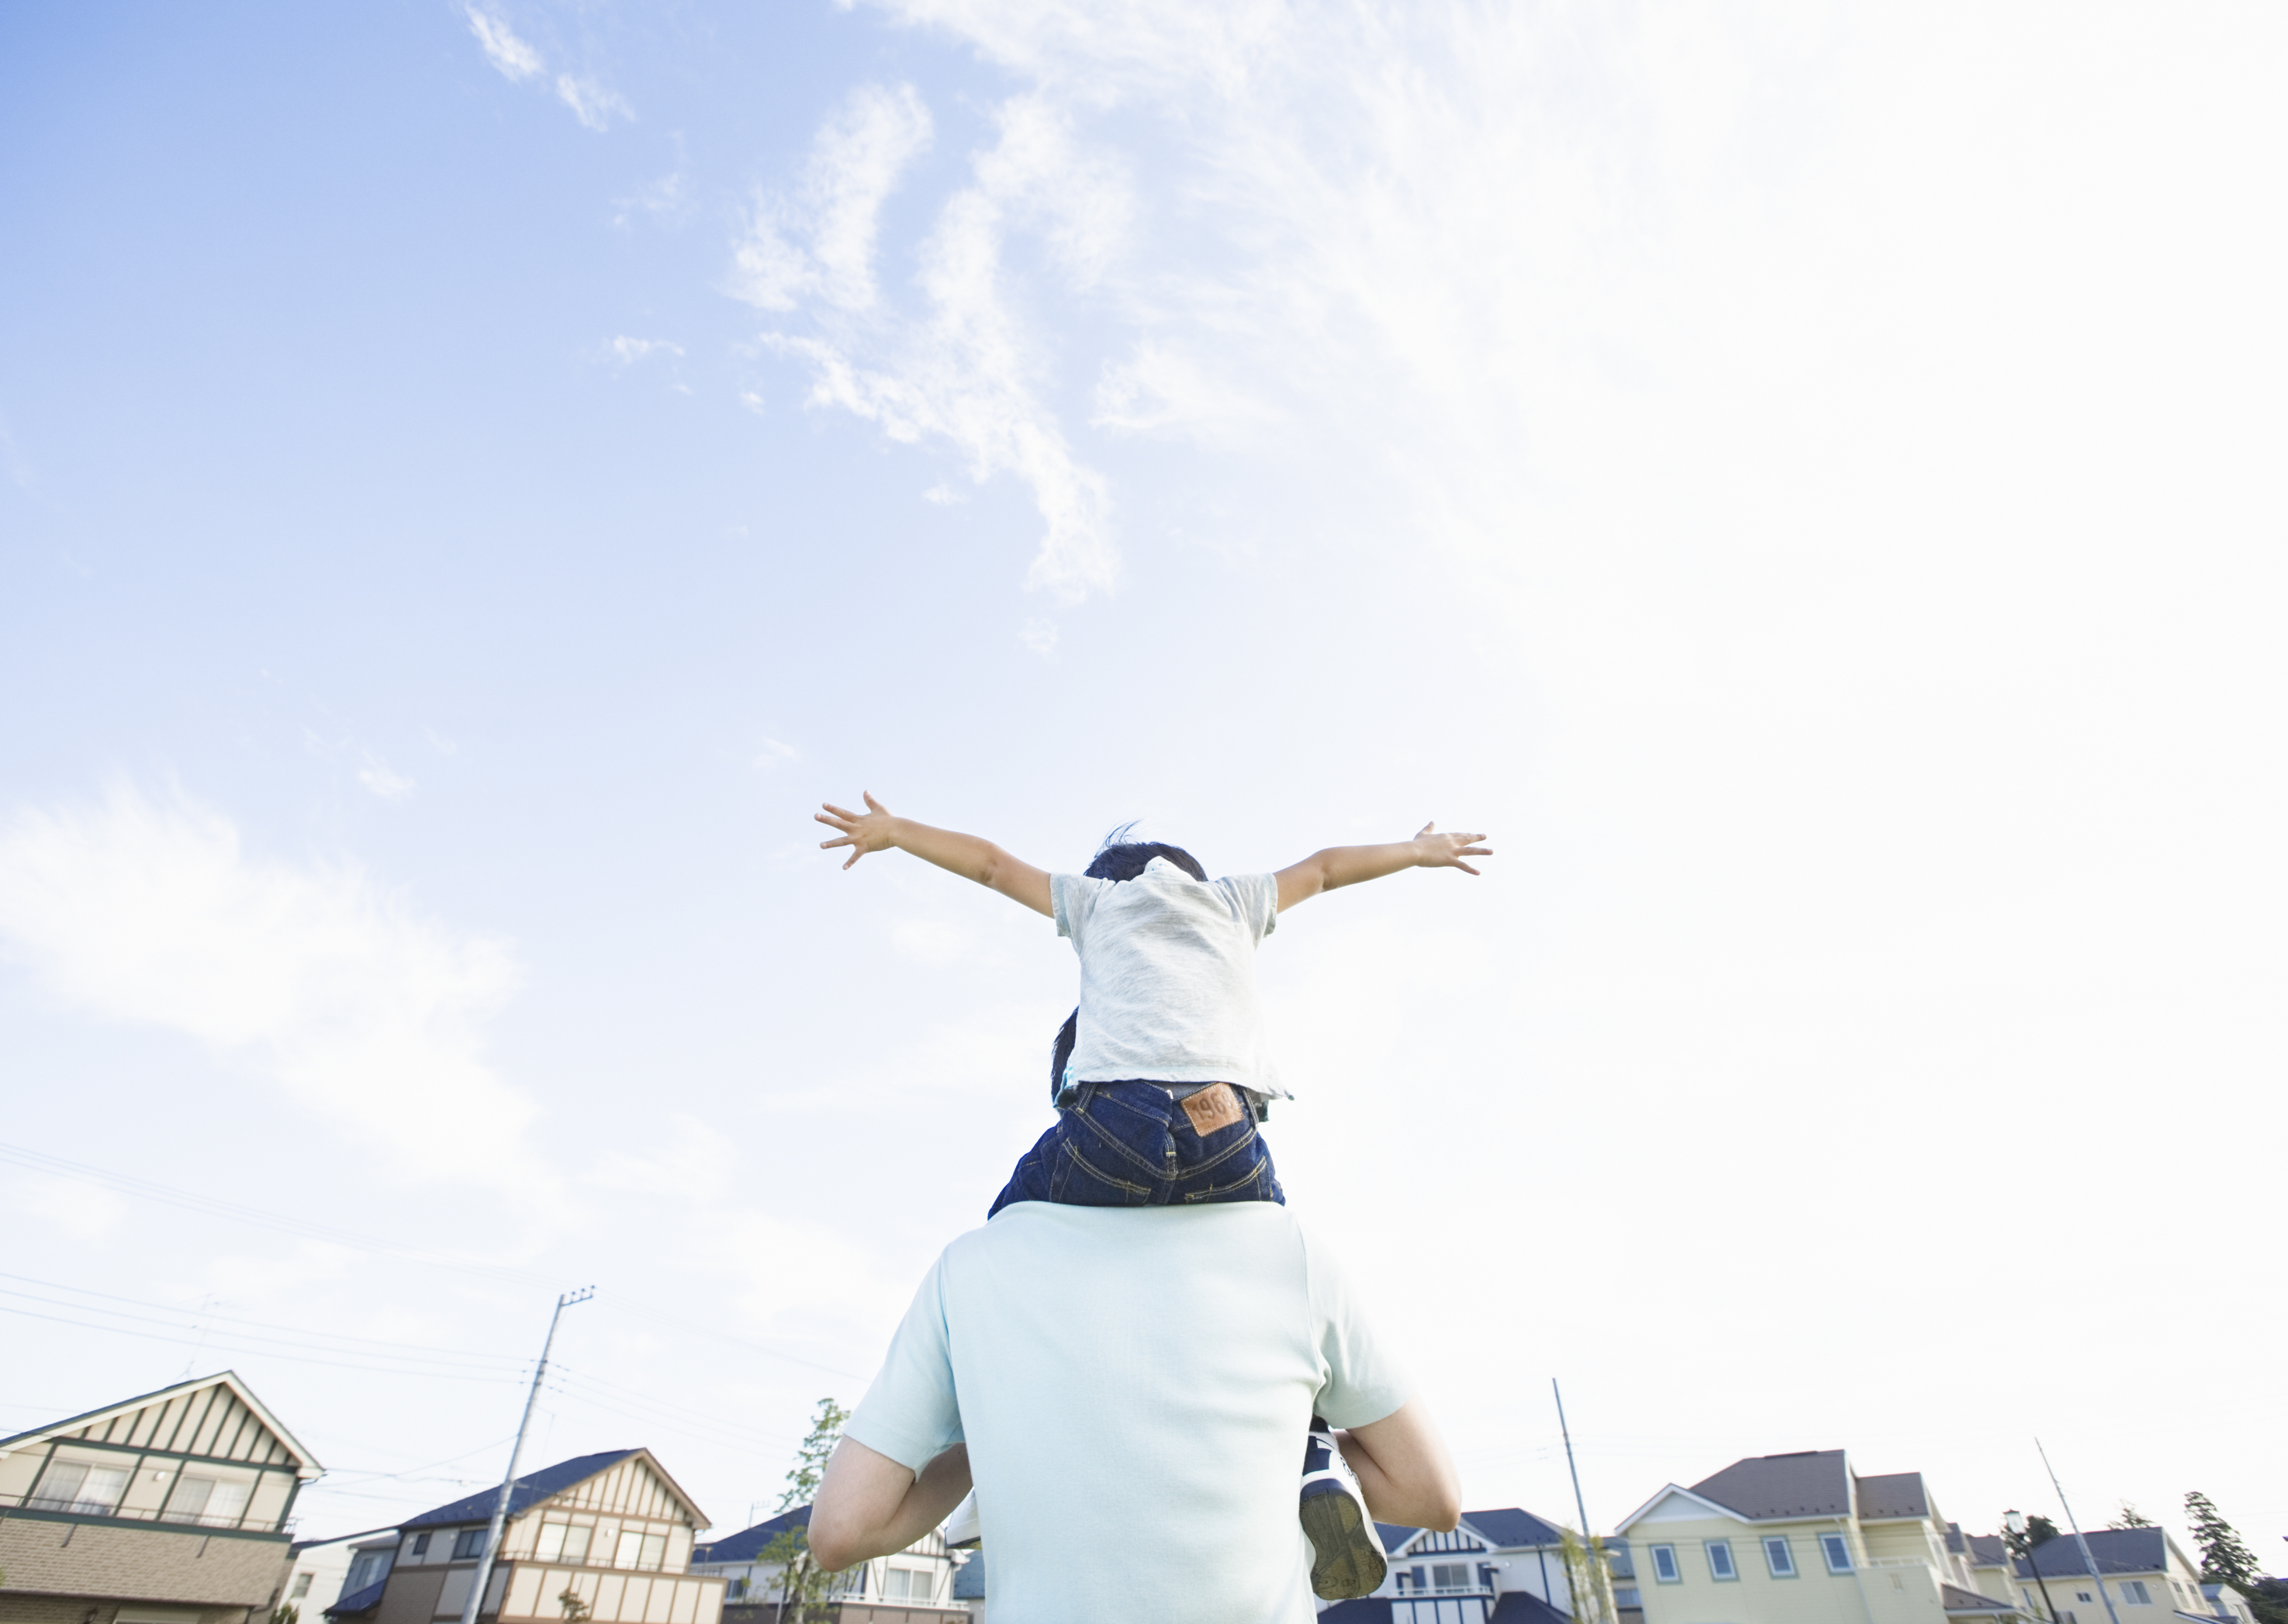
(1160, 1077)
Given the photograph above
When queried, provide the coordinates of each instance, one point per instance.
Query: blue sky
(1803, 478)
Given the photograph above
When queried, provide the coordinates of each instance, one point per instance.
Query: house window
(630, 1549)
(420, 1544)
(733, 1590)
(77, 1485)
(903, 1584)
(575, 1542)
(301, 1586)
(1778, 1558)
(212, 1503)
(2084, 1596)
(468, 1544)
(1627, 1596)
(1450, 1575)
(1720, 1560)
(548, 1545)
(1617, 1554)
(1663, 1565)
(1837, 1549)
(654, 1552)
(2134, 1590)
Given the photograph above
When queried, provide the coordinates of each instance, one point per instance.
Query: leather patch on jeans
(1212, 1108)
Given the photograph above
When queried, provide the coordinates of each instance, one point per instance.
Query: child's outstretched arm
(876, 830)
(1349, 865)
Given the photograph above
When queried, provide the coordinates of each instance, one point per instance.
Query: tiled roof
(1894, 1495)
(2117, 1550)
(1954, 1598)
(360, 1601)
(531, 1489)
(1395, 1534)
(1989, 1550)
(1808, 1484)
(1524, 1607)
(747, 1544)
(1360, 1609)
(1510, 1526)
(969, 1579)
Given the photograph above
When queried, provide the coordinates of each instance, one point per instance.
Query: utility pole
(475, 1603)
(1578, 1504)
(2087, 1560)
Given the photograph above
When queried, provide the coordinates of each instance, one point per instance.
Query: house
(321, 1568)
(1501, 1566)
(2140, 1569)
(610, 1531)
(915, 1586)
(171, 1507)
(1789, 1538)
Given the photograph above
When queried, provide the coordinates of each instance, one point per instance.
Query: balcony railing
(69, 1505)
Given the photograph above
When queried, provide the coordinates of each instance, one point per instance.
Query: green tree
(2040, 1530)
(803, 1584)
(2224, 1558)
(575, 1611)
(1587, 1577)
(2131, 1518)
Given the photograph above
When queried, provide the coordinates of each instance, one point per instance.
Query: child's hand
(871, 830)
(1443, 851)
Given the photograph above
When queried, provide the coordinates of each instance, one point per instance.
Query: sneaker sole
(1344, 1561)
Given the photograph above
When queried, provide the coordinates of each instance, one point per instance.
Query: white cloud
(151, 912)
(628, 351)
(83, 1210)
(933, 941)
(967, 368)
(516, 60)
(591, 103)
(377, 777)
(771, 753)
(697, 1164)
(1040, 636)
(854, 163)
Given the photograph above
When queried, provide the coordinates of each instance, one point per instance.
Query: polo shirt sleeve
(1360, 1379)
(1256, 897)
(910, 1414)
(1072, 896)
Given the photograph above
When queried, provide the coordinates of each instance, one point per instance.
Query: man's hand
(1339, 866)
(877, 830)
(871, 830)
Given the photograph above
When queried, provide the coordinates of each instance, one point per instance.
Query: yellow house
(1800, 1539)
(2140, 1571)
(612, 1532)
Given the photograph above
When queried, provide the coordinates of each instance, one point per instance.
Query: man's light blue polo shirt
(1134, 1385)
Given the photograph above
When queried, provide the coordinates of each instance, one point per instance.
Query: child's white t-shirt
(1167, 976)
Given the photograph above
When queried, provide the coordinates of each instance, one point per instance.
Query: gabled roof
(214, 1418)
(969, 1579)
(1811, 1483)
(360, 1601)
(2117, 1550)
(1633, 1518)
(531, 1489)
(1524, 1607)
(299, 1546)
(747, 1543)
(1510, 1527)
(1892, 1494)
(1954, 1598)
(1989, 1550)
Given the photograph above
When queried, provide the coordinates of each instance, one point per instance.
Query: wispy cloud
(966, 368)
(627, 351)
(591, 103)
(151, 912)
(516, 60)
(380, 779)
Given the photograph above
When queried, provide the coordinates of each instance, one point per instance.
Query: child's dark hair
(1118, 857)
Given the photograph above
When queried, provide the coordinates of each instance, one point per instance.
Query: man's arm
(1349, 865)
(868, 1505)
(875, 830)
(1404, 1469)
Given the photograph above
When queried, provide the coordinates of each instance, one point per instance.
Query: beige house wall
(1873, 1593)
(54, 1557)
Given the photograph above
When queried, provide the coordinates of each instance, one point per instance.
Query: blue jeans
(1130, 1145)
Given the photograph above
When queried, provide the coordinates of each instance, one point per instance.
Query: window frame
(469, 1545)
(1828, 1545)
(1731, 1573)
(2135, 1592)
(1787, 1557)
(1666, 1570)
(421, 1544)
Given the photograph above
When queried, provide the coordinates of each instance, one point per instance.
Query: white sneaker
(961, 1528)
(1346, 1554)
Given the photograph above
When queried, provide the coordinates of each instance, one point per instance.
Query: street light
(2014, 1535)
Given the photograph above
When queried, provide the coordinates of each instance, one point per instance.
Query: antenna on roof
(484, 1573)
(1578, 1505)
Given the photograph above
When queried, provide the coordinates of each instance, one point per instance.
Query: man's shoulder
(1263, 1231)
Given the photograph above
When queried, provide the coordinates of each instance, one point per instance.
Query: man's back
(1134, 1385)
